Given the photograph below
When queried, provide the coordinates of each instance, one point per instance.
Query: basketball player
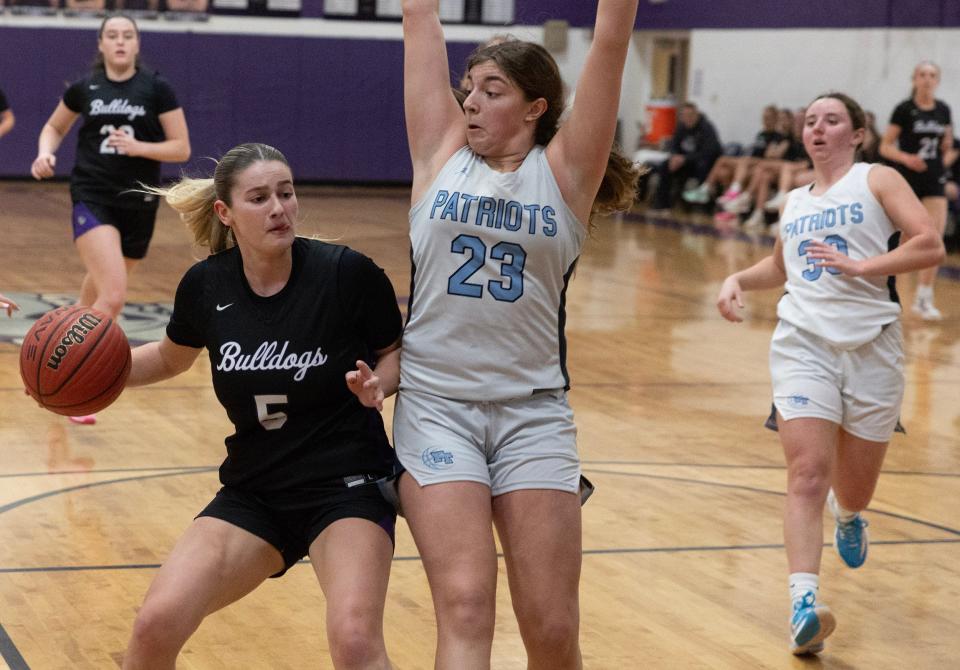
(131, 123)
(283, 319)
(7, 119)
(836, 357)
(918, 137)
(8, 304)
(501, 203)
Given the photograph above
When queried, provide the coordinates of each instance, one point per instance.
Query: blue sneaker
(851, 538)
(810, 625)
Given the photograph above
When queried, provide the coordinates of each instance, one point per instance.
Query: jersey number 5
(108, 128)
(507, 291)
(270, 420)
(813, 272)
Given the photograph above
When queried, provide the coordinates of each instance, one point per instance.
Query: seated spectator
(187, 5)
(85, 6)
(137, 5)
(767, 171)
(769, 143)
(795, 172)
(33, 6)
(694, 148)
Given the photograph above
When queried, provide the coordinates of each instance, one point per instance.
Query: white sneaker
(699, 195)
(924, 308)
(755, 221)
(776, 202)
(738, 205)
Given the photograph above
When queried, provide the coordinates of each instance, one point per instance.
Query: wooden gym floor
(683, 561)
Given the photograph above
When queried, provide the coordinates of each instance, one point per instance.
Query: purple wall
(687, 14)
(334, 107)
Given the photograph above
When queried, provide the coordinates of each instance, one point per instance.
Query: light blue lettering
(485, 210)
(440, 199)
(513, 215)
(450, 209)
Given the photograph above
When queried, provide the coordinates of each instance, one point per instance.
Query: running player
(918, 137)
(283, 319)
(131, 123)
(501, 203)
(836, 357)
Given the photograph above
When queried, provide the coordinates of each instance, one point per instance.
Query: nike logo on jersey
(220, 308)
(94, 87)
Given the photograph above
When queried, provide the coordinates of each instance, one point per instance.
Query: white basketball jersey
(492, 254)
(846, 311)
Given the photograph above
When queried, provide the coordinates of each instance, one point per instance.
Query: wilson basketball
(75, 360)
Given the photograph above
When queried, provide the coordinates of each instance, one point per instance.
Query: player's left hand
(366, 386)
(8, 304)
(124, 143)
(828, 256)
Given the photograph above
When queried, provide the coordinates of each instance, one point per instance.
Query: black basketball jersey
(100, 174)
(278, 364)
(4, 105)
(763, 139)
(921, 132)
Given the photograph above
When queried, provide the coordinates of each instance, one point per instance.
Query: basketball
(75, 360)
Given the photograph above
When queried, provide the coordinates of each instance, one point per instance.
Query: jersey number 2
(270, 420)
(507, 291)
(813, 272)
(108, 128)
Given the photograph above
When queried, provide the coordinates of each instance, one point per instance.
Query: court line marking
(416, 557)
(585, 462)
(754, 489)
(686, 480)
(9, 652)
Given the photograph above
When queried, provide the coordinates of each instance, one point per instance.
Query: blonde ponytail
(193, 199)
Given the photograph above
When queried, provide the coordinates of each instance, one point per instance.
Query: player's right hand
(43, 166)
(915, 163)
(730, 298)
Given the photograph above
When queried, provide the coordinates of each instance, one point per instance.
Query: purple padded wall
(334, 107)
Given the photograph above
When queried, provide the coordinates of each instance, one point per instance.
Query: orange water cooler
(661, 119)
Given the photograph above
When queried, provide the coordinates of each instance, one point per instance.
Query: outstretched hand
(366, 386)
(730, 298)
(8, 304)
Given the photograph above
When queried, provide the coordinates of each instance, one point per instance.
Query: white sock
(736, 187)
(925, 292)
(843, 514)
(801, 583)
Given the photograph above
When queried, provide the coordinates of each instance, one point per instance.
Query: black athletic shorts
(292, 521)
(927, 184)
(135, 225)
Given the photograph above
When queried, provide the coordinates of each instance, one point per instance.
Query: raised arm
(579, 151)
(52, 134)
(435, 124)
